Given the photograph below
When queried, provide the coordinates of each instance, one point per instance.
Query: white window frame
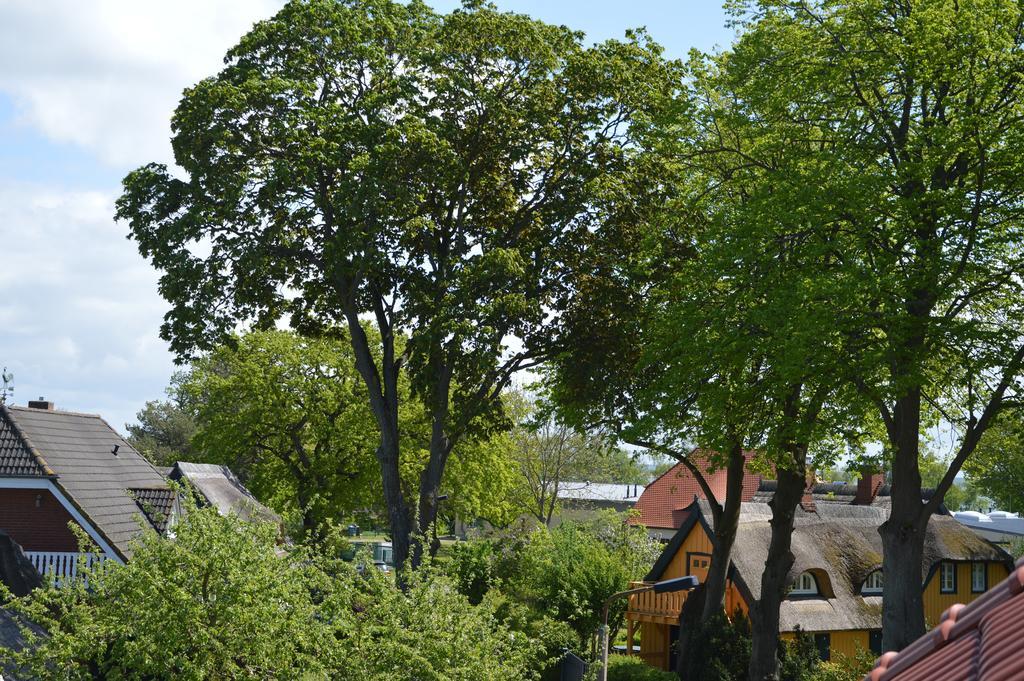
(947, 569)
(975, 573)
(805, 585)
(873, 584)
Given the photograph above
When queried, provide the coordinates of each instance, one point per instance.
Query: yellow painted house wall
(846, 643)
(935, 602)
(698, 541)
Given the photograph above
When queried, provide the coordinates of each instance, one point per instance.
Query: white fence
(61, 565)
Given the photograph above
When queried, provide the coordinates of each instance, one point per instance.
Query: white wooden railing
(61, 566)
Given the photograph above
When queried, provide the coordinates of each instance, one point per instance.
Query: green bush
(622, 668)
(220, 601)
(721, 649)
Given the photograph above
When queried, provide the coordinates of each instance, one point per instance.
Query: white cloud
(79, 310)
(106, 75)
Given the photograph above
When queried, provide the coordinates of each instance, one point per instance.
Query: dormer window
(805, 585)
(873, 584)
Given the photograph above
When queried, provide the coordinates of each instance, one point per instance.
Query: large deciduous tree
(371, 158)
(916, 191)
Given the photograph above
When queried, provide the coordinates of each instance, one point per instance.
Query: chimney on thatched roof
(871, 480)
(807, 501)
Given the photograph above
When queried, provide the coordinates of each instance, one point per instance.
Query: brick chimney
(41, 403)
(871, 480)
(807, 501)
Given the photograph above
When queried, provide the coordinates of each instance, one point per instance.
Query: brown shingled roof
(157, 504)
(980, 641)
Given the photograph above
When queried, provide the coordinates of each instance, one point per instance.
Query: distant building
(1001, 527)
(219, 487)
(594, 495)
(58, 467)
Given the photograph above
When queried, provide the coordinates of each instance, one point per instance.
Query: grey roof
(156, 503)
(996, 523)
(78, 448)
(839, 542)
(600, 491)
(836, 493)
(13, 638)
(221, 488)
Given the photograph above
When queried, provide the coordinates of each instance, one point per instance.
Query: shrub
(219, 601)
(721, 649)
(622, 668)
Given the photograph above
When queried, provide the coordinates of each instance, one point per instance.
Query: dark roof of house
(16, 458)
(78, 449)
(976, 641)
(839, 543)
(156, 503)
(221, 488)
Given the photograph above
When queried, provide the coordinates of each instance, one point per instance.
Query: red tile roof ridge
(957, 622)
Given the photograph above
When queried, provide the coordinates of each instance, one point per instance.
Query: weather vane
(6, 388)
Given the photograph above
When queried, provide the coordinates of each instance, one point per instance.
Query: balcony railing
(650, 604)
(61, 566)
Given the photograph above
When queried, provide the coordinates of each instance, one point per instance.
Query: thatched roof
(840, 544)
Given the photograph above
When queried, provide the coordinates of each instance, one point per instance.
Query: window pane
(978, 577)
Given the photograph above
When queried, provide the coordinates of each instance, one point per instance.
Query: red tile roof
(664, 500)
(980, 641)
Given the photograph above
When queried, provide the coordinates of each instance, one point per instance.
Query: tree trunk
(394, 500)
(712, 599)
(903, 533)
(764, 613)
(903, 604)
(725, 535)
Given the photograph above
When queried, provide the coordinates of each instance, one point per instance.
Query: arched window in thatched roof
(805, 585)
(873, 584)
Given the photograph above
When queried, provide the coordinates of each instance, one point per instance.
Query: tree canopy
(375, 158)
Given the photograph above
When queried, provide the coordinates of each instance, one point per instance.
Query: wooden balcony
(651, 607)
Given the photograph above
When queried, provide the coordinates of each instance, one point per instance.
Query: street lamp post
(668, 586)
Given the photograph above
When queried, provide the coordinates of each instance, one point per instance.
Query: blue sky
(86, 93)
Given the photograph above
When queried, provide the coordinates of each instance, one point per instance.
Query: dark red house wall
(36, 528)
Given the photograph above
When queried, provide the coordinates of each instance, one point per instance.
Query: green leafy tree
(997, 468)
(897, 124)
(374, 158)
(289, 415)
(548, 453)
(568, 572)
(164, 430)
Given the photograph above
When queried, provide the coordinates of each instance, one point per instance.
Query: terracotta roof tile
(977, 641)
(663, 500)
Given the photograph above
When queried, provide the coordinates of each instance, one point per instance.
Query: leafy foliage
(289, 415)
(222, 601)
(375, 158)
(564, 573)
(622, 668)
(998, 466)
